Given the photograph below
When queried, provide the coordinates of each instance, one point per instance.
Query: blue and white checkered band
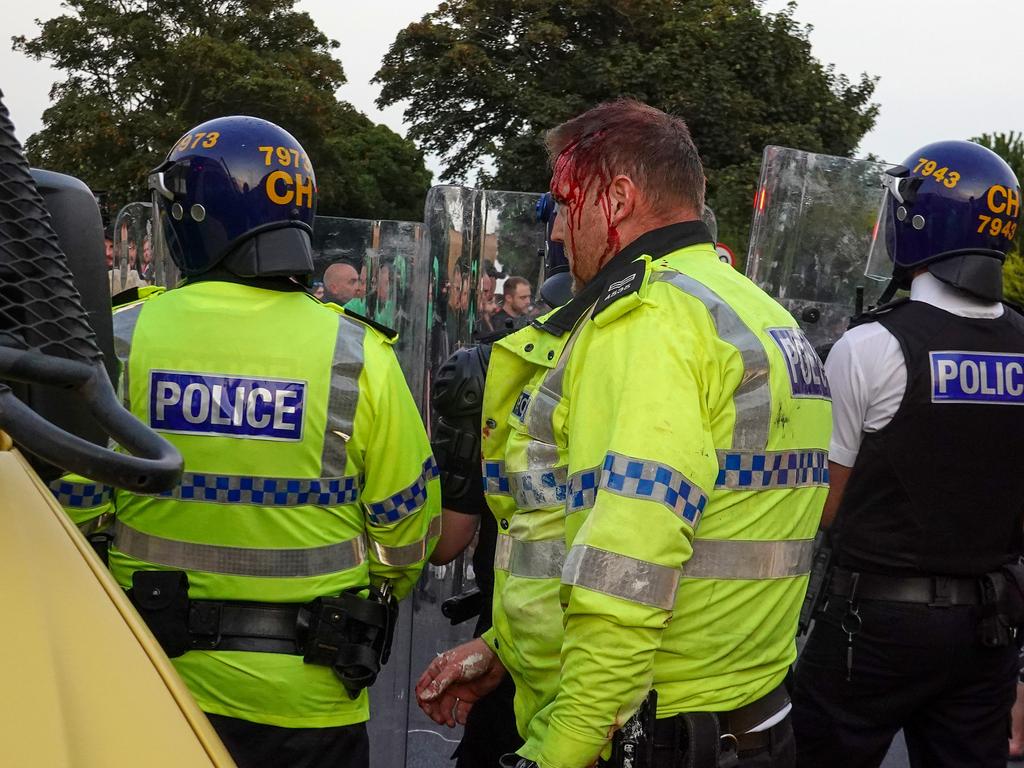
(81, 495)
(806, 372)
(407, 500)
(265, 491)
(228, 406)
(989, 378)
(635, 478)
(581, 490)
(495, 479)
(639, 479)
(752, 471)
(538, 488)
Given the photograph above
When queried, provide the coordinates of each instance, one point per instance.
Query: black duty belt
(939, 591)
(242, 626)
(670, 732)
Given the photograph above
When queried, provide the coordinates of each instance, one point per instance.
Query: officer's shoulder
(381, 331)
(623, 294)
(874, 314)
(136, 295)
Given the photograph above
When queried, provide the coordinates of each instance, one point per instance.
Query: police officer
(310, 490)
(926, 490)
(679, 419)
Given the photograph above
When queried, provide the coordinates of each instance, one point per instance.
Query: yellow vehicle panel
(84, 682)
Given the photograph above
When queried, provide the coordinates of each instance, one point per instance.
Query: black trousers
(490, 730)
(254, 745)
(914, 667)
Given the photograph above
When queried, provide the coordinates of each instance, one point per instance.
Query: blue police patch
(806, 372)
(522, 403)
(977, 377)
(230, 406)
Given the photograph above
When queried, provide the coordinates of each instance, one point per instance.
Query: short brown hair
(509, 288)
(628, 137)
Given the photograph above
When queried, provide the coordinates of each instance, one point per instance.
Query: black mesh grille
(40, 308)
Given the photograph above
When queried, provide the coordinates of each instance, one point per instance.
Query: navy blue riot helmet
(952, 207)
(556, 289)
(237, 193)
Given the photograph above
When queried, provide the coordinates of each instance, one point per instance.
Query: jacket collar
(656, 243)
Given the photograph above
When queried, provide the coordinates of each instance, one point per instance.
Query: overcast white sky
(949, 68)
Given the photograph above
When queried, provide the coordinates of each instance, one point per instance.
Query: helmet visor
(880, 261)
(163, 233)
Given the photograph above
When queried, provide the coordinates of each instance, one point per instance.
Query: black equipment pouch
(817, 583)
(161, 598)
(633, 743)
(463, 606)
(100, 542)
(1002, 605)
(995, 629)
(1014, 574)
(350, 634)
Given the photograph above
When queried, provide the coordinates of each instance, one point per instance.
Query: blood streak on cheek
(571, 181)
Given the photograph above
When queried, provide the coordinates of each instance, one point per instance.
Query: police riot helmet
(237, 193)
(952, 207)
(556, 289)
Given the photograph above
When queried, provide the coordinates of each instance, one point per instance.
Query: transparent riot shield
(372, 267)
(474, 242)
(811, 234)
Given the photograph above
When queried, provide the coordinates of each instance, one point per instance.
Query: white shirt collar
(929, 289)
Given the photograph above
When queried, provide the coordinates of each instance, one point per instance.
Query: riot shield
(811, 234)
(475, 241)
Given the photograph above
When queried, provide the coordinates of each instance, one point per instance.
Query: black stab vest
(940, 489)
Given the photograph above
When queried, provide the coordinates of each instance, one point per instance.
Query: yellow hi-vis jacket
(695, 418)
(307, 472)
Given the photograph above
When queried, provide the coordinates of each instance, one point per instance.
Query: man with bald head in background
(341, 282)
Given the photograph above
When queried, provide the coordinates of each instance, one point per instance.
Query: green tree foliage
(484, 78)
(139, 73)
(1010, 147)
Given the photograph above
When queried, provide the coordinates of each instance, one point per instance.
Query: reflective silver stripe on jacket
(759, 471)
(96, 524)
(265, 491)
(541, 413)
(346, 366)
(753, 398)
(124, 322)
(240, 561)
(753, 560)
(530, 559)
(538, 488)
(620, 576)
(407, 554)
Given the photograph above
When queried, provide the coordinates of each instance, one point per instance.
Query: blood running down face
(619, 170)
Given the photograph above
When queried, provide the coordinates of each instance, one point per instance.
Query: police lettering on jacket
(977, 377)
(208, 404)
(806, 372)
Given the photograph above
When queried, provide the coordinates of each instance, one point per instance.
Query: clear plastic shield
(140, 255)
(811, 234)
(372, 267)
(475, 242)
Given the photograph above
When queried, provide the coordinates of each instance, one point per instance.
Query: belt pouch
(703, 739)
(161, 598)
(1014, 574)
(347, 634)
(994, 629)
